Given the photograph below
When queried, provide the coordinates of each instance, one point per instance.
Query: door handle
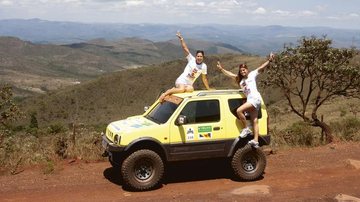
(216, 128)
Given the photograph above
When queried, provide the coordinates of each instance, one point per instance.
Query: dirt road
(310, 174)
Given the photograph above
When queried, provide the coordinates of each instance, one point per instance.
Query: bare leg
(178, 89)
(254, 120)
(240, 112)
(189, 88)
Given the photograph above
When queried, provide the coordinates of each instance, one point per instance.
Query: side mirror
(181, 120)
(146, 108)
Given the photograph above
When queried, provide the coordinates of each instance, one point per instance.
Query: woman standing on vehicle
(247, 82)
(193, 69)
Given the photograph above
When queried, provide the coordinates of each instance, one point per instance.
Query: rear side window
(202, 111)
(236, 103)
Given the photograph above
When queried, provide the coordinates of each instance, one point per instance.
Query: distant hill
(36, 68)
(121, 94)
(252, 39)
(125, 93)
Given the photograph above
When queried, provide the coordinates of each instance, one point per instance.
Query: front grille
(109, 134)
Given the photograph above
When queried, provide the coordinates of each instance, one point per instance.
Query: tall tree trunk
(325, 128)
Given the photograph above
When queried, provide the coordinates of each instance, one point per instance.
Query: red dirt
(297, 174)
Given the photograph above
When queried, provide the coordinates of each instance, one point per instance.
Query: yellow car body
(228, 127)
(186, 126)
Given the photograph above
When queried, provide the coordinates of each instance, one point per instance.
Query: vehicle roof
(212, 93)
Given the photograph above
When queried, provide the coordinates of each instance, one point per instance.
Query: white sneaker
(254, 143)
(246, 131)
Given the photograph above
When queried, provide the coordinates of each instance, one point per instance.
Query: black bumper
(109, 146)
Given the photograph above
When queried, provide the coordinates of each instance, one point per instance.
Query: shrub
(347, 128)
(56, 128)
(60, 147)
(298, 134)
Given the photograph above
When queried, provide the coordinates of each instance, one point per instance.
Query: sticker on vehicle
(204, 129)
(205, 132)
(190, 134)
(205, 136)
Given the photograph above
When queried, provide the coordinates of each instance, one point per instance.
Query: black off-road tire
(142, 170)
(248, 163)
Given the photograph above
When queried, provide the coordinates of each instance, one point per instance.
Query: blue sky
(330, 13)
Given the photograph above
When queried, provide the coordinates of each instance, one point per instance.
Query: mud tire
(248, 163)
(142, 170)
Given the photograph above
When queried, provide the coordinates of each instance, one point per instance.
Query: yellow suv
(186, 126)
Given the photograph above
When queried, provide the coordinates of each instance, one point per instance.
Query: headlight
(117, 139)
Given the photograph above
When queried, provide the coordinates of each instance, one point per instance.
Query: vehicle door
(201, 135)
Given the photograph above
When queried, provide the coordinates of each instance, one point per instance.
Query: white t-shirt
(191, 72)
(249, 85)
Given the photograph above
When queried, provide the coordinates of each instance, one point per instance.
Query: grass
(347, 129)
(23, 149)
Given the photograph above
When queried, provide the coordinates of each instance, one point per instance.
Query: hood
(130, 124)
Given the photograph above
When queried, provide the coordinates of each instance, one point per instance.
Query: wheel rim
(249, 163)
(144, 170)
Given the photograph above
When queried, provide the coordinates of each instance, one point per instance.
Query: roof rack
(220, 92)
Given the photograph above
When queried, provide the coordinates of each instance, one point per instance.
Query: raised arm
(183, 44)
(205, 81)
(265, 64)
(227, 73)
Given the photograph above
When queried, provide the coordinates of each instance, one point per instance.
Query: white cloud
(236, 2)
(257, 12)
(281, 12)
(6, 3)
(134, 3)
(307, 13)
(260, 10)
(304, 13)
(354, 15)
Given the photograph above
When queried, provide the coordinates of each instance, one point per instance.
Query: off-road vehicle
(186, 126)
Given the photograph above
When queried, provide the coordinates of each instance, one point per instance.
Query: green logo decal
(204, 129)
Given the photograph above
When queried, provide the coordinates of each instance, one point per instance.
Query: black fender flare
(237, 141)
(147, 139)
(263, 140)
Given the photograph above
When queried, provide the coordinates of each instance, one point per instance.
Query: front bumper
(109, 146)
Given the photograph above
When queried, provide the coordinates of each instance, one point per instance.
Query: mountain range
(252, 39)
(36, 68)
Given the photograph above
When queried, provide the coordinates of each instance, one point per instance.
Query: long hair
(239, 77)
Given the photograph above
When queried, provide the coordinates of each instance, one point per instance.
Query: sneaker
(254, 143)
(246, 131)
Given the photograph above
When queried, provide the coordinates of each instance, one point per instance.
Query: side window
(235, 103)
(202, 111)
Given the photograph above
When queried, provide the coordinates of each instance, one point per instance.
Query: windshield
(162, 112)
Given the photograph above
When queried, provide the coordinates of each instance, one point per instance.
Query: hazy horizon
(322, 13)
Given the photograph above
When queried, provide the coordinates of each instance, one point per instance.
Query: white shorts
(183, 81)
(254, 101)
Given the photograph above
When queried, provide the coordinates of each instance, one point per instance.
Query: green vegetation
(297, 134)
(311, 74)
(8, 109)
(347, 129)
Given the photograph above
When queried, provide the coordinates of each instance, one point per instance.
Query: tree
(311, 74)
(8, 110)
(33, 120)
